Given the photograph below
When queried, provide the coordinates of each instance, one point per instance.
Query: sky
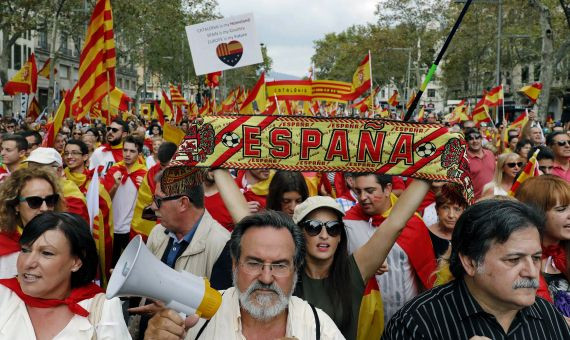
(289, 27)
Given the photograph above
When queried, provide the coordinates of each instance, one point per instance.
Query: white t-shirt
(8, 265)
(100, 157)
(124, 206)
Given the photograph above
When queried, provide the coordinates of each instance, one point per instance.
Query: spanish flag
(459, 114)
(25, 80)
(409, 103)
(229, 104)
(166, 106)
(115, 102)
(44, 72)
(530, 170)
(97, 60)
(256, 95)
(480, 113)
(139, 225)
(494, 97)
(393, 101)
(205, 109)
(519, 123)
(366, 102)
(362, 78)
(172, 134)
(371, 315)
(532, 91)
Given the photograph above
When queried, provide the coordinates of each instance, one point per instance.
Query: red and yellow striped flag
(25, 80)
(371, 315)
(258, 96)
(532, 91)
(480, 113)
(97, 61)
(33, 109)
(54, 124)
(530, 170)
(393, 101)
(176, 96)
(494, 97)
(409, 103)
(44, 72)
(421, 114)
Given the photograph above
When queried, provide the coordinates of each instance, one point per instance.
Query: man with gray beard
(266, 250)
(495, 259)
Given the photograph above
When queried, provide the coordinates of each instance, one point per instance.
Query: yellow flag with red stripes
(371, 315)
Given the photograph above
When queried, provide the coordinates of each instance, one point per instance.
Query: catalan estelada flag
(362, 78)
(25, 80)
(494, 97)
(530, 170)
(44, 72)
(97, 60)
(393, 101)
(371, 315)
(256, 95)
(532, 91)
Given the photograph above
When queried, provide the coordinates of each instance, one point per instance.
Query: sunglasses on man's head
(114, 129)
(513, 164)
(473, 136)
(313, 228)
(35, 202)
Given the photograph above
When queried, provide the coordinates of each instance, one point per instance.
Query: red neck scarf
(9, 243)
(78, 294)
(117, 151)
(356, 213)
(558, 254)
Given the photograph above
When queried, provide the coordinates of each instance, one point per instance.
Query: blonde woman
(24, 195)
(508, 166)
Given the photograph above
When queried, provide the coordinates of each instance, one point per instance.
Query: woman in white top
(53, 296)
(508, 165)
(23, 195)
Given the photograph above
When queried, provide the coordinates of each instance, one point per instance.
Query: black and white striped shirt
(450, 312)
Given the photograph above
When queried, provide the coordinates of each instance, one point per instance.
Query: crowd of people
(292, 252)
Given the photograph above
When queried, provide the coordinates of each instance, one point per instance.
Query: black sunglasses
(563, 142)
(313, 228)
(114, 129)
(35, 202)
(512, 165)
(473, 136)
(158, 200)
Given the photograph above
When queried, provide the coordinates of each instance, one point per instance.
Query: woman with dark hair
(522, 148)
(286, 190)
(449, 205)
(551, 195)
(155, 130)
(331, 279)
(53, 296)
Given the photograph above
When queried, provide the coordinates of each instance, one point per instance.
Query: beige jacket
(202, 252)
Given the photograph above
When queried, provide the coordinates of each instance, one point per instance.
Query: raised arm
(373, 253)
(231, 195)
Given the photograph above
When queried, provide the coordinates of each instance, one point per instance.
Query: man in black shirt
(495, 260)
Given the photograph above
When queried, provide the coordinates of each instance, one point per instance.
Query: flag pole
(277, 103)
(433, 67)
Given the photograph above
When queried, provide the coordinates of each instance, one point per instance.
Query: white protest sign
(224, 44)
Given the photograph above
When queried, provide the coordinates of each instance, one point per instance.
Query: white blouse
(15, 322)
(8, 268)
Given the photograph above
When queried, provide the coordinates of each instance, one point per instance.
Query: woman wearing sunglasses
(53, 295)
(331, 279)
(25, 194)
(508, 166)
(551, 195)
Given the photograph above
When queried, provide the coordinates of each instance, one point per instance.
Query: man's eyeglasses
(513, 164)
(255, 268)
(114, 129)
(473, 137)
(158, 200)
(10, 127)
(313, 228)
(35, 202)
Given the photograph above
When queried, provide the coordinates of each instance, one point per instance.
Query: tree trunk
(547, 57)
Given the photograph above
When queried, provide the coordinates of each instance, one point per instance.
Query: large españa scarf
(428, 151)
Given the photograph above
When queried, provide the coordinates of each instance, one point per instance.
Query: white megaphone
(139, 273)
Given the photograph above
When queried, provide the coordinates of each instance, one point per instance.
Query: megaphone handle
(182, 309)
(182, 315)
